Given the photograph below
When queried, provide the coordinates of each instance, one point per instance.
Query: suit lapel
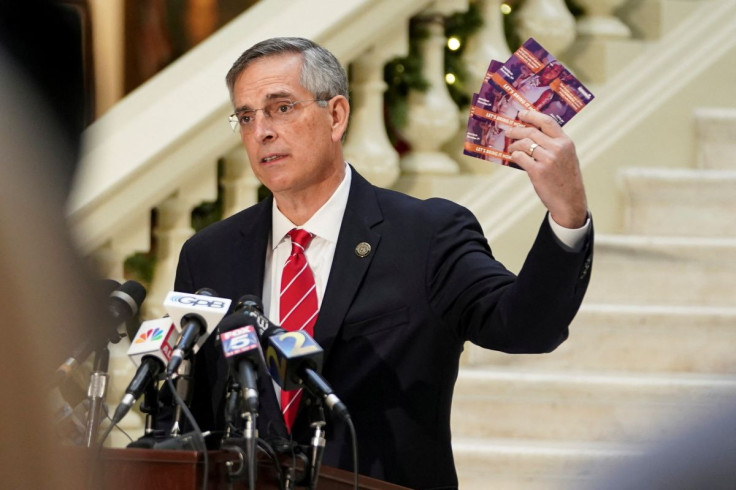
(255, 238)
(349, 266)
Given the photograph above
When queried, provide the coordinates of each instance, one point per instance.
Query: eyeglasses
(278, 111)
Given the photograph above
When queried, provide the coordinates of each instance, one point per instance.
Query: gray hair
(321, 74)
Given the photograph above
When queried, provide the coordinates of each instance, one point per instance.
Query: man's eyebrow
(275, 95)
(279, 95)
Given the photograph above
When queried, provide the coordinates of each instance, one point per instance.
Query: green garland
(404, 74)
(462, 26)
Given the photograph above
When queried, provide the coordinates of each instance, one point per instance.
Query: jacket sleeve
(490, 306)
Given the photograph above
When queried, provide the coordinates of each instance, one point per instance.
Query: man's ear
(339, 108)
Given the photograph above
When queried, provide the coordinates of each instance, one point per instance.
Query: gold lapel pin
(362, 249)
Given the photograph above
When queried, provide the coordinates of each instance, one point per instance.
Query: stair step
(716, 138)
(511, 403)
(645, 270)
(510, 464)
(634, 338)
(679, 202)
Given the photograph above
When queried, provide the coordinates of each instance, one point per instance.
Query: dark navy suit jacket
(393, 323)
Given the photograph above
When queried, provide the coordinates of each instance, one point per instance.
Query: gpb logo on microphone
(200, 301)
(211, 308)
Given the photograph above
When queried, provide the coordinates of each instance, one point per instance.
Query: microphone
(252, 307)
(69, 417)
(197, 314)
(79, 354)
(124, 301)
(151, 349)
(242, 351)
(294, 359)
(240, 346)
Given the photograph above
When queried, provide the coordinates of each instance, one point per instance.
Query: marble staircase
(649, 353)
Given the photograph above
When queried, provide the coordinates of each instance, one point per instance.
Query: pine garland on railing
(459, 28)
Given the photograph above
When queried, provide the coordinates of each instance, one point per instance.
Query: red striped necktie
(297, 305)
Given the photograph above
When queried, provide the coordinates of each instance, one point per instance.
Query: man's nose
(263, 127)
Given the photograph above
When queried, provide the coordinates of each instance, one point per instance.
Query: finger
(523, 160)
(528, 135)
(530, 132)
(528, 146)
(545, 123)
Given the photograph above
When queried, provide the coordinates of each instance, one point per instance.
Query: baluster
(489, 43)
(130, 238)
(239, 184)
(173, 229)
(599, 20)
(432, 115)
(549, 22)
(367, 146)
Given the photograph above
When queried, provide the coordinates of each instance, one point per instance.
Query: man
(401, 284)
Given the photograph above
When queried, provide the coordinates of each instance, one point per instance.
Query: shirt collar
(325, 223)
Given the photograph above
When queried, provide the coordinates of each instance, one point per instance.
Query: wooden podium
(125, 469)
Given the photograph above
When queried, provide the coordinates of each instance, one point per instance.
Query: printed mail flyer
(530, 79)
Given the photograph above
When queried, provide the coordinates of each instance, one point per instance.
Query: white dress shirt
(325, 226)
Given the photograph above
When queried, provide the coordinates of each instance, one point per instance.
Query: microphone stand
(235, 411)
(318, 441)
(182, 388)
(251, 438)
(96, 395)
(233, 407)
(150, 406)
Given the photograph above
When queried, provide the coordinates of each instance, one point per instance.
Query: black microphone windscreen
(123, 306)
(206, 292)
(250, 301)
(127, 300)
(231, 322)
(135, 291)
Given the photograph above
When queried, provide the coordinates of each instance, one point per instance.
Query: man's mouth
(270, 158)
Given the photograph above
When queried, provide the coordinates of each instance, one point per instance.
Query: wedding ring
(532, 147)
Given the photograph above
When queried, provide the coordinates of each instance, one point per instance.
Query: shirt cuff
(572, 239)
